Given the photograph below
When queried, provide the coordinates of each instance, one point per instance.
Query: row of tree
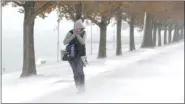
(150, 16)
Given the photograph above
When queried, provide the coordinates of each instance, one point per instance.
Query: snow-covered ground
(145, 75)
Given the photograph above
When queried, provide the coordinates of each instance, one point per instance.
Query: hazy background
(46, 37)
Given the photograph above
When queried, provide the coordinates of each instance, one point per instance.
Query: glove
(84, 60)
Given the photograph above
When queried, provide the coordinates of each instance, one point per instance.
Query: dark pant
(79, 77)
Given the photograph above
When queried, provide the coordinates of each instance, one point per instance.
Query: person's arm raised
(68, 38)
(80, 39)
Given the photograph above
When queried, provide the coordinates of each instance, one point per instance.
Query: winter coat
(82, 40)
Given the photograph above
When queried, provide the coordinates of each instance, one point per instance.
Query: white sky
(12, 19)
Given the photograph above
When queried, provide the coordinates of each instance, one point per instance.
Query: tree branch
(93, 20)
(69, 10)
(108, 21)
(71, 14)
(125, 18)
(69, 7)
(112, 11)
(42, 8)
(39, 10)
(17, 3)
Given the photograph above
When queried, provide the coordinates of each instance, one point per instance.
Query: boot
(80, 81)
(77, 81)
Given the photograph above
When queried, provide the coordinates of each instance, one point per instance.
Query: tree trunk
(159, 35)
(102, 45)
(170, 33)
(178, 35)
(29, 67)
(165, 35)
(175, 35)
(78, 11)
(147, 39)
(182, 34)
(118, 42)
(154, 34)
(132, 43)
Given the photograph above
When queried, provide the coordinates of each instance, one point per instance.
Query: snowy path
(158, 78)
(128, 75)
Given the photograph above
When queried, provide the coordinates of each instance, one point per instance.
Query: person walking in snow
(75, 41)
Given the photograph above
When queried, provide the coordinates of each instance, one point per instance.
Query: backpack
(74, 49)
